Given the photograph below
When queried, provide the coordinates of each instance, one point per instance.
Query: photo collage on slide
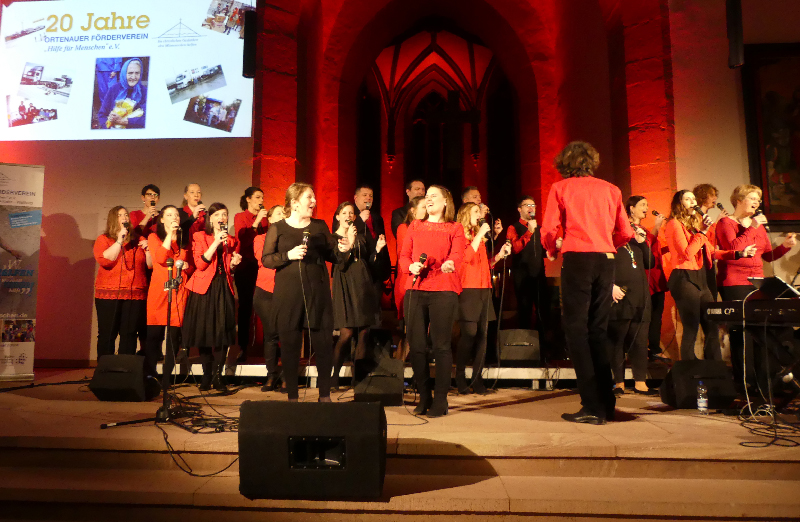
(120, 84)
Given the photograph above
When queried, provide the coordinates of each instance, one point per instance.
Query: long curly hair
(684, 215)
(465, 220)
(578, 159)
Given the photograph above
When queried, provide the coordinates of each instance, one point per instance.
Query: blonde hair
(684, 215)
(112, 224)
(465, 220)
(293, 193)
(741, 192)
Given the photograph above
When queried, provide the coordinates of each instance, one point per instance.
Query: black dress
(210, 318)
(294, 293)
(355, 303)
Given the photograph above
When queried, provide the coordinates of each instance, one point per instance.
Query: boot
(461, 383)
(425, 399)
(438, 407)
(205, 382)
(218, 381)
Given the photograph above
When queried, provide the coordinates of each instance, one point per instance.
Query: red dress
(156, 296)
(123, 278)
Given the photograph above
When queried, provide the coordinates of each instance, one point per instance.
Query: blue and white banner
(21, 189)
(114, 69)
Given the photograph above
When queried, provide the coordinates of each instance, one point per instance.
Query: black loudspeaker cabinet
(250, 44)
(679, 388)
(312, 450)
(119, 378)
(519, 345)
(384, 384)
(735, 27)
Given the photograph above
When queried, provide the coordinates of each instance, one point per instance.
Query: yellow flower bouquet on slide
(124, 108)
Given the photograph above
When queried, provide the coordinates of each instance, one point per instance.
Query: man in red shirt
(595, 224)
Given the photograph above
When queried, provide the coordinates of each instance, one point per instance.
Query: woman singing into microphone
(431, 254)
(210, 318)
(193, 211)
(121, 284)
(475, 302)
(165, 244)
(355, 304)
(247, 225)
(416, 210)
(297, 249)
(743, 230)
(262, 303)
(690, 252)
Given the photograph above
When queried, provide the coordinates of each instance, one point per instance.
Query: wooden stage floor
(494, 457)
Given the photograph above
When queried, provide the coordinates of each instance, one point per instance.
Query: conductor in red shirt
(595, 224)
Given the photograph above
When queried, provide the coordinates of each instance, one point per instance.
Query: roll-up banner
(20, 230)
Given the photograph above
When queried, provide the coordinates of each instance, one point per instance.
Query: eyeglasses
(754, 200)
(529, 205)
(151, 195)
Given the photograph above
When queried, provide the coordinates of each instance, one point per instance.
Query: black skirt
(474, 304)
(210, 318)
(355, 303)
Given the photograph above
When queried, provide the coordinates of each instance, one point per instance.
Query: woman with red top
(658, 292)
(210, 317)
(247, 225)
(262, 303)
(165, 244)
(416, 210)
(475, 301)
(121, 284)
(193, 211)
(741, 230)
(689, 254)
(145, 220)
(431, 255)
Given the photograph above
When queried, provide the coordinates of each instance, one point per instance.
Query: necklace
(630, 253)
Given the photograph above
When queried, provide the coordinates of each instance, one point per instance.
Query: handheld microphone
(423, 257)
(699, 210)
(656, 213)
(369, 205)
(481, 222)
(719, 206)
(306, 236)
(178, 267)
(349, 222)
(152, 203)
(127, 226)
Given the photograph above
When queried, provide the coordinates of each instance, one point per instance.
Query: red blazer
(206, 270)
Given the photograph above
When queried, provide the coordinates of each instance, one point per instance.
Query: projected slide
(115, 69)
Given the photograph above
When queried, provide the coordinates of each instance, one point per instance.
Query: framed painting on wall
(771, 89)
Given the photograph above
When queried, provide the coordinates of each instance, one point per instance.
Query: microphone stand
(166, 414)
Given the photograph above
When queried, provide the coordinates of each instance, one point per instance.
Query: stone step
(409, 465)
(491, 496)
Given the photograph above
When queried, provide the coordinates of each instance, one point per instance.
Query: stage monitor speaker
(119, 378)
(383, 384)
(519, 345)
(250, 44)
(679, 388)
(312, 450)
(733, 14)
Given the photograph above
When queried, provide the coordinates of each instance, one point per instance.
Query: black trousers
(322, 347)
(657, 311)
(119, 318)
(628, 336)
(262, 303)
(587, 279)
(245, 279)
(530, 292)
(153, 350)
(690, 290)
(435, 312)
(473, 336)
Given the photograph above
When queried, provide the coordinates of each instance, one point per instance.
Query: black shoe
(324, 399)
(218, 382)
(651, 392)
(438, 408)
(205, 385)
(273, 383)
(660, 358)
(461, 384)
(619, 391)
(583, 417)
